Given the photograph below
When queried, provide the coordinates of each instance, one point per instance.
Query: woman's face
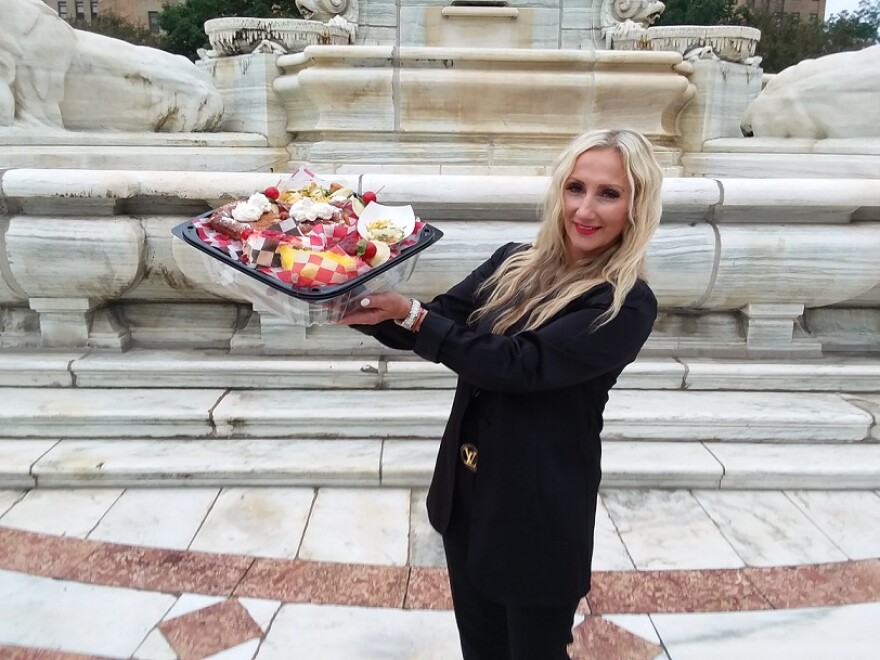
(595, 203)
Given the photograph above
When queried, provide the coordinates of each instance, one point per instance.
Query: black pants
(491, 630)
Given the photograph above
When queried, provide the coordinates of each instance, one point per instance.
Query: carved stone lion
(834, 96)
(53, 76)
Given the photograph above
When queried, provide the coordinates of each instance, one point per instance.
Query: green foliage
(697, 12)
(183, 24)
(785, 40)
(112, 25)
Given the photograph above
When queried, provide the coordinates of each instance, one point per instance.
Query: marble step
(140, 368)
(318, 414)
(408, 463)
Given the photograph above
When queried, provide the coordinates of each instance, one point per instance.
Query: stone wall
(742, 267)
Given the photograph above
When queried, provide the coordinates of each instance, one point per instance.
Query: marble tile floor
(281, 573)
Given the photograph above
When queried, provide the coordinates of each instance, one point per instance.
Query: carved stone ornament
(643, 13)
(732, 43)
(237, 35)
(324, 10)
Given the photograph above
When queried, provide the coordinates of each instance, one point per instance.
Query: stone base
(193, 152)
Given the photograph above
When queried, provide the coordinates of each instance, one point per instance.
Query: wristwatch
(414, 309)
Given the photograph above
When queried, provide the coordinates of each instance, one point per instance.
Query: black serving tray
(189, 235)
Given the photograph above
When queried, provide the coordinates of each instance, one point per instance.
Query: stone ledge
(408, 463)
(148, 368)
(651, 415)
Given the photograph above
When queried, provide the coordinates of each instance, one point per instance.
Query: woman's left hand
(378, 307)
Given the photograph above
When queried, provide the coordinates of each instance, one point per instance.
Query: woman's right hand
(378, 307)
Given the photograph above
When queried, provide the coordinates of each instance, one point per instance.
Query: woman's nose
(587, 208)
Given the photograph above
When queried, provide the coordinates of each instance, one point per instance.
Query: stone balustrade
(742, 267)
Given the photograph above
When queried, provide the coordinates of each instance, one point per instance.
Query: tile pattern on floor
(226, 598)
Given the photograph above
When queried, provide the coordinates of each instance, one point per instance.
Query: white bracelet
(414, 309)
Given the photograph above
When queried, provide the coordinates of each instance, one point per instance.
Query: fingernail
(365, 302)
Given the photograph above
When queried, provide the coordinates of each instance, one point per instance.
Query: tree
(697, 12)
(785, 40)
(113, 25)
(184, 23)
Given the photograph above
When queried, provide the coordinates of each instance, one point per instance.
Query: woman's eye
(574, 188)
(612, 194)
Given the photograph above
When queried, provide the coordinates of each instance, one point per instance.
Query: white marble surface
(155, 647)
(827, 375)
(76, 618)
(244, 651)
(163, 518)
(67, 412)
(425, 544)
(262, 611)
(636, 464)
(665, 530)
(824, 264)
(848, 632)
(262, 522)
(744, 416)
(767, 529)
(63, 512)
(362, 414)
(358, 526)
(637, 624)
(9, 497)
(851, 519)
(206, 462)
(408, 462)
(830, 467)
(609, 553)
(316, 632)
(163, 368)
(17, 458)
(36, 369)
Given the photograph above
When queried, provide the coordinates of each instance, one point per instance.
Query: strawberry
(366, 249)
(272, 192)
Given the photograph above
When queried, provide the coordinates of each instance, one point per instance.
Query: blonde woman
(537, 335)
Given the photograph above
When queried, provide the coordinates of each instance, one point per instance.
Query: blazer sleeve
(455, 305)
(565, 352)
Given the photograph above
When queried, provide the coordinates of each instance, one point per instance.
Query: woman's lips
(585, 230)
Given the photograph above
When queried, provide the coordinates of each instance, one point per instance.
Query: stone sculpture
(830, 97)
(324, 10)
(643, 13)
(52, 75)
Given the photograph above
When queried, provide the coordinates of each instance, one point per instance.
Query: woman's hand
(378, 307)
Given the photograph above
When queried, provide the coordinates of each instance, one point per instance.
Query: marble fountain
(115, 340)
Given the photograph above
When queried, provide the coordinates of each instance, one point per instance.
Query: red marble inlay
(207, 631)
(428, 589)
(818, 585)
(597, 638)
(646, 592)
(42, 554)
(29, 653)
(155, 569)
(296, 581)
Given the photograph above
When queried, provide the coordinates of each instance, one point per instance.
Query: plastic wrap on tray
(269, 288)
(307, 250)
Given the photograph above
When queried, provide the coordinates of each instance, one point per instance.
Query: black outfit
(532, 403)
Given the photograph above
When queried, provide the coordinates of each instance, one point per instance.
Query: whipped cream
(251, 210)
(305, 210)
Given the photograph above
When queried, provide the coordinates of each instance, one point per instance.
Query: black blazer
(539, 415)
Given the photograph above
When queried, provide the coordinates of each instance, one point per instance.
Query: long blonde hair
(535, 285)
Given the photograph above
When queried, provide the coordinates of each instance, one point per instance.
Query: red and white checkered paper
(260, 253)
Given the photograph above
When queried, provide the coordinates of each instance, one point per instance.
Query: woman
(537, 335)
